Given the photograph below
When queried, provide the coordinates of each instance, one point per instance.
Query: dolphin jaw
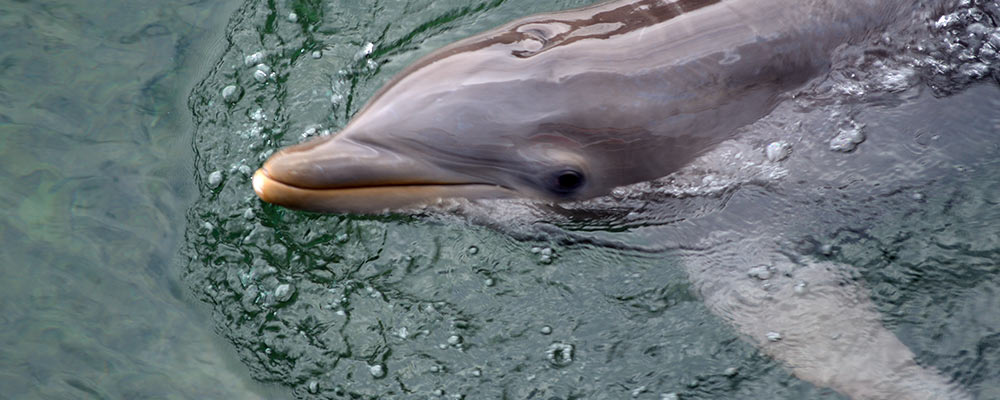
(374, 199)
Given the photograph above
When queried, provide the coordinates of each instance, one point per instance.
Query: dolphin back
(637, 88)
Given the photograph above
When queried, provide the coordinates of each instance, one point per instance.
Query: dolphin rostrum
(569, 105)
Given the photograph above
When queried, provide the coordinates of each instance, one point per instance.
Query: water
(96, 175)
(113, 242)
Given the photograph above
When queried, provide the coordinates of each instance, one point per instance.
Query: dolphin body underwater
(567, 106)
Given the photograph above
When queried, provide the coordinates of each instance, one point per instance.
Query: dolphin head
(478, 119)
(452, 139)
(427, 143)
(343, 174)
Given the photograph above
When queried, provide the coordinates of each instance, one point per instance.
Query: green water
(128, 273)
(95, 166)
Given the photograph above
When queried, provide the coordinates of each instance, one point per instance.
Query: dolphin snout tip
(261, 182)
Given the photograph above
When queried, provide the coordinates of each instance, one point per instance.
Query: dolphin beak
(334, 174)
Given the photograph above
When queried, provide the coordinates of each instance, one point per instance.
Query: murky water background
(95, 170)
(100, 199)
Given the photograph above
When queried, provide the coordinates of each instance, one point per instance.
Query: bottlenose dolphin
(567, 106)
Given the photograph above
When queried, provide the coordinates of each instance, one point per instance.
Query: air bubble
(773, 336)
(473, 250)
(283, 292)
(778, 151)
(260, 76)
(293, 17)
(762, 272)
(365, 51)
(848, 139)
(801, 288)
(253, 59)
(231, 93)
(545, 255)
(377, 371)
(559, 354)
(546, 330)
(214, 179)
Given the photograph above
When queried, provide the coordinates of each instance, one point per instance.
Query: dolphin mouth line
(262, 172)
(365, 199)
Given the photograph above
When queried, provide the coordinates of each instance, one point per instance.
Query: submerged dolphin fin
(814, 318)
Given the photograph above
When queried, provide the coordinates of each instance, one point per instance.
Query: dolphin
(567, 106)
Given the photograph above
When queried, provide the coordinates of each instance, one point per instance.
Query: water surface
(95, 165)
(136, 265)
(590, 300)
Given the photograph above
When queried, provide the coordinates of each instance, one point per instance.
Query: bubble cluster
(253, 59)
(965, 46)
(545, 254)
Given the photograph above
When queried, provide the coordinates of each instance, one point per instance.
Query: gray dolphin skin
(569, 105)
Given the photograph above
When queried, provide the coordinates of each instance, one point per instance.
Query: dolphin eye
(567, 181)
